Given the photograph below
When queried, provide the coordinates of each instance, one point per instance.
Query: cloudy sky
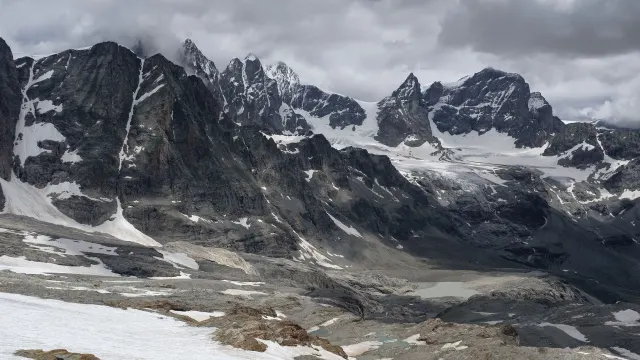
(583, 55)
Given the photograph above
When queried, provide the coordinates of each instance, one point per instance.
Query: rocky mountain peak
(254, 98)
(403, 116)
(287, 79)
(409, 90)
(190, 45)
(234, 65)
(196, 59)
(492, 99)
(253, 70)
(490, 73)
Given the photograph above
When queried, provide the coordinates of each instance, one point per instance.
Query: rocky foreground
(280, 309)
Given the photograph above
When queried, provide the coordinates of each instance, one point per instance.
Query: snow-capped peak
(286, 78)
(251, 57)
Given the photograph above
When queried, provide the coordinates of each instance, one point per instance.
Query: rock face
(252, 97)
(492, 99)
(73, 123)
(194, 60)
(578, 143)
(9, 110)
(9, 107)
(340, 110)
(59, 354)
(404, 115)
(247, 94)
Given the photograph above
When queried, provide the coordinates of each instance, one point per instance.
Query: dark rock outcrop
(341, 111)
(10, 99)
(583, 139)
(404, 115)
(492, 99)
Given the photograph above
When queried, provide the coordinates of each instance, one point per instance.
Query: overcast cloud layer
(583, 55)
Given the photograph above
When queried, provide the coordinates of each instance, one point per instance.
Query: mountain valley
(446, 221)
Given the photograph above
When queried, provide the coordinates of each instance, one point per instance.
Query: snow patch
(454, 346)
(199, 315)
(145, 96)
(361, 348)
(347, 229)
(245, 293)
(196, 218)
(27, 200)
(627, 353)
(630, 194)
(178, 260)
(567, 329)
(71, 156)
(21, 265)
(625, 318)
(70, 247)
(310, 252)
(244, 283)
(244, 222)
(44, 106)
(309, 174)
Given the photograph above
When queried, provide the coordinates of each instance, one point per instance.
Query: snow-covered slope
(33, 323)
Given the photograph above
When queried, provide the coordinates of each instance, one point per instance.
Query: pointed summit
(409, 90)
(195, 60)
(288, 81)
(189, 44)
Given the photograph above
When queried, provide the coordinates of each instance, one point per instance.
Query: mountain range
(474, 174)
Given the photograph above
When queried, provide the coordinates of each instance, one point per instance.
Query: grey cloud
(524, 27)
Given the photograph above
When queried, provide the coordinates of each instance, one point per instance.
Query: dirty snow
(44, 106)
